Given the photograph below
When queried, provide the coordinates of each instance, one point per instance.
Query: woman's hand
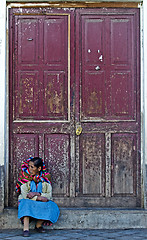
(42, 199)
(30, 195)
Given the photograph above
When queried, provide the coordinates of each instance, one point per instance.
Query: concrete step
(85, 218)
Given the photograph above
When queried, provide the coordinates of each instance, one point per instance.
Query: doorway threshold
(85, 218)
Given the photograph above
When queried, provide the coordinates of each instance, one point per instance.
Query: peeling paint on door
(75, 101)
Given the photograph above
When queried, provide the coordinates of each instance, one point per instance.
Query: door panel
(28, 42)
(57, 156)
(122, 71)
(75, 102)
(92, 80)
(55, 29)
(27, 94)
(93, 48)
(55, 88)
(121, 32)
(122, 97)
(124, 164)
(92, 164)
(93, 102)
(22, 145)
(28, 143)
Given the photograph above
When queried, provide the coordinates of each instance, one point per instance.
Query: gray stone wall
(1, 188)
(145, 186)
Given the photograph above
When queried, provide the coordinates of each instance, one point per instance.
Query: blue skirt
(39, 210)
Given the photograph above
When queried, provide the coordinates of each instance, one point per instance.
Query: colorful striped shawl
(25, 176)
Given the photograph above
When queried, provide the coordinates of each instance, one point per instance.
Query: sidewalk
(128, 234)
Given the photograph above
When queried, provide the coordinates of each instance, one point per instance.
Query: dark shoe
(40, 229)
(26, 233)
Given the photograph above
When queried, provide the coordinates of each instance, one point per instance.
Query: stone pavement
(128, 234)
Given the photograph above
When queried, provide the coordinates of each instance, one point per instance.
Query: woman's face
(33, 170)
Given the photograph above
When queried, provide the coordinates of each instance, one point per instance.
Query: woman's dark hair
(37, 162)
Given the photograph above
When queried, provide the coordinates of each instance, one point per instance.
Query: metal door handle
(97, 68)
(79, 131)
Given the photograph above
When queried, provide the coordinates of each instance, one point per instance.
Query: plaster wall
(2, 97)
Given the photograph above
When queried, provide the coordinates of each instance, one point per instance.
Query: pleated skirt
(48, 211)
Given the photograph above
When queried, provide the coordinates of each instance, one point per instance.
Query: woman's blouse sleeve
(46, 190)
(25, 189)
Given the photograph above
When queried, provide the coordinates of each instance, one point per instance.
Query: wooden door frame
(79, 5)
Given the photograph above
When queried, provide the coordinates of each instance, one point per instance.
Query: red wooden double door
(74, 101)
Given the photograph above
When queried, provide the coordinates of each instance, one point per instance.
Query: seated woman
(35, 196)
